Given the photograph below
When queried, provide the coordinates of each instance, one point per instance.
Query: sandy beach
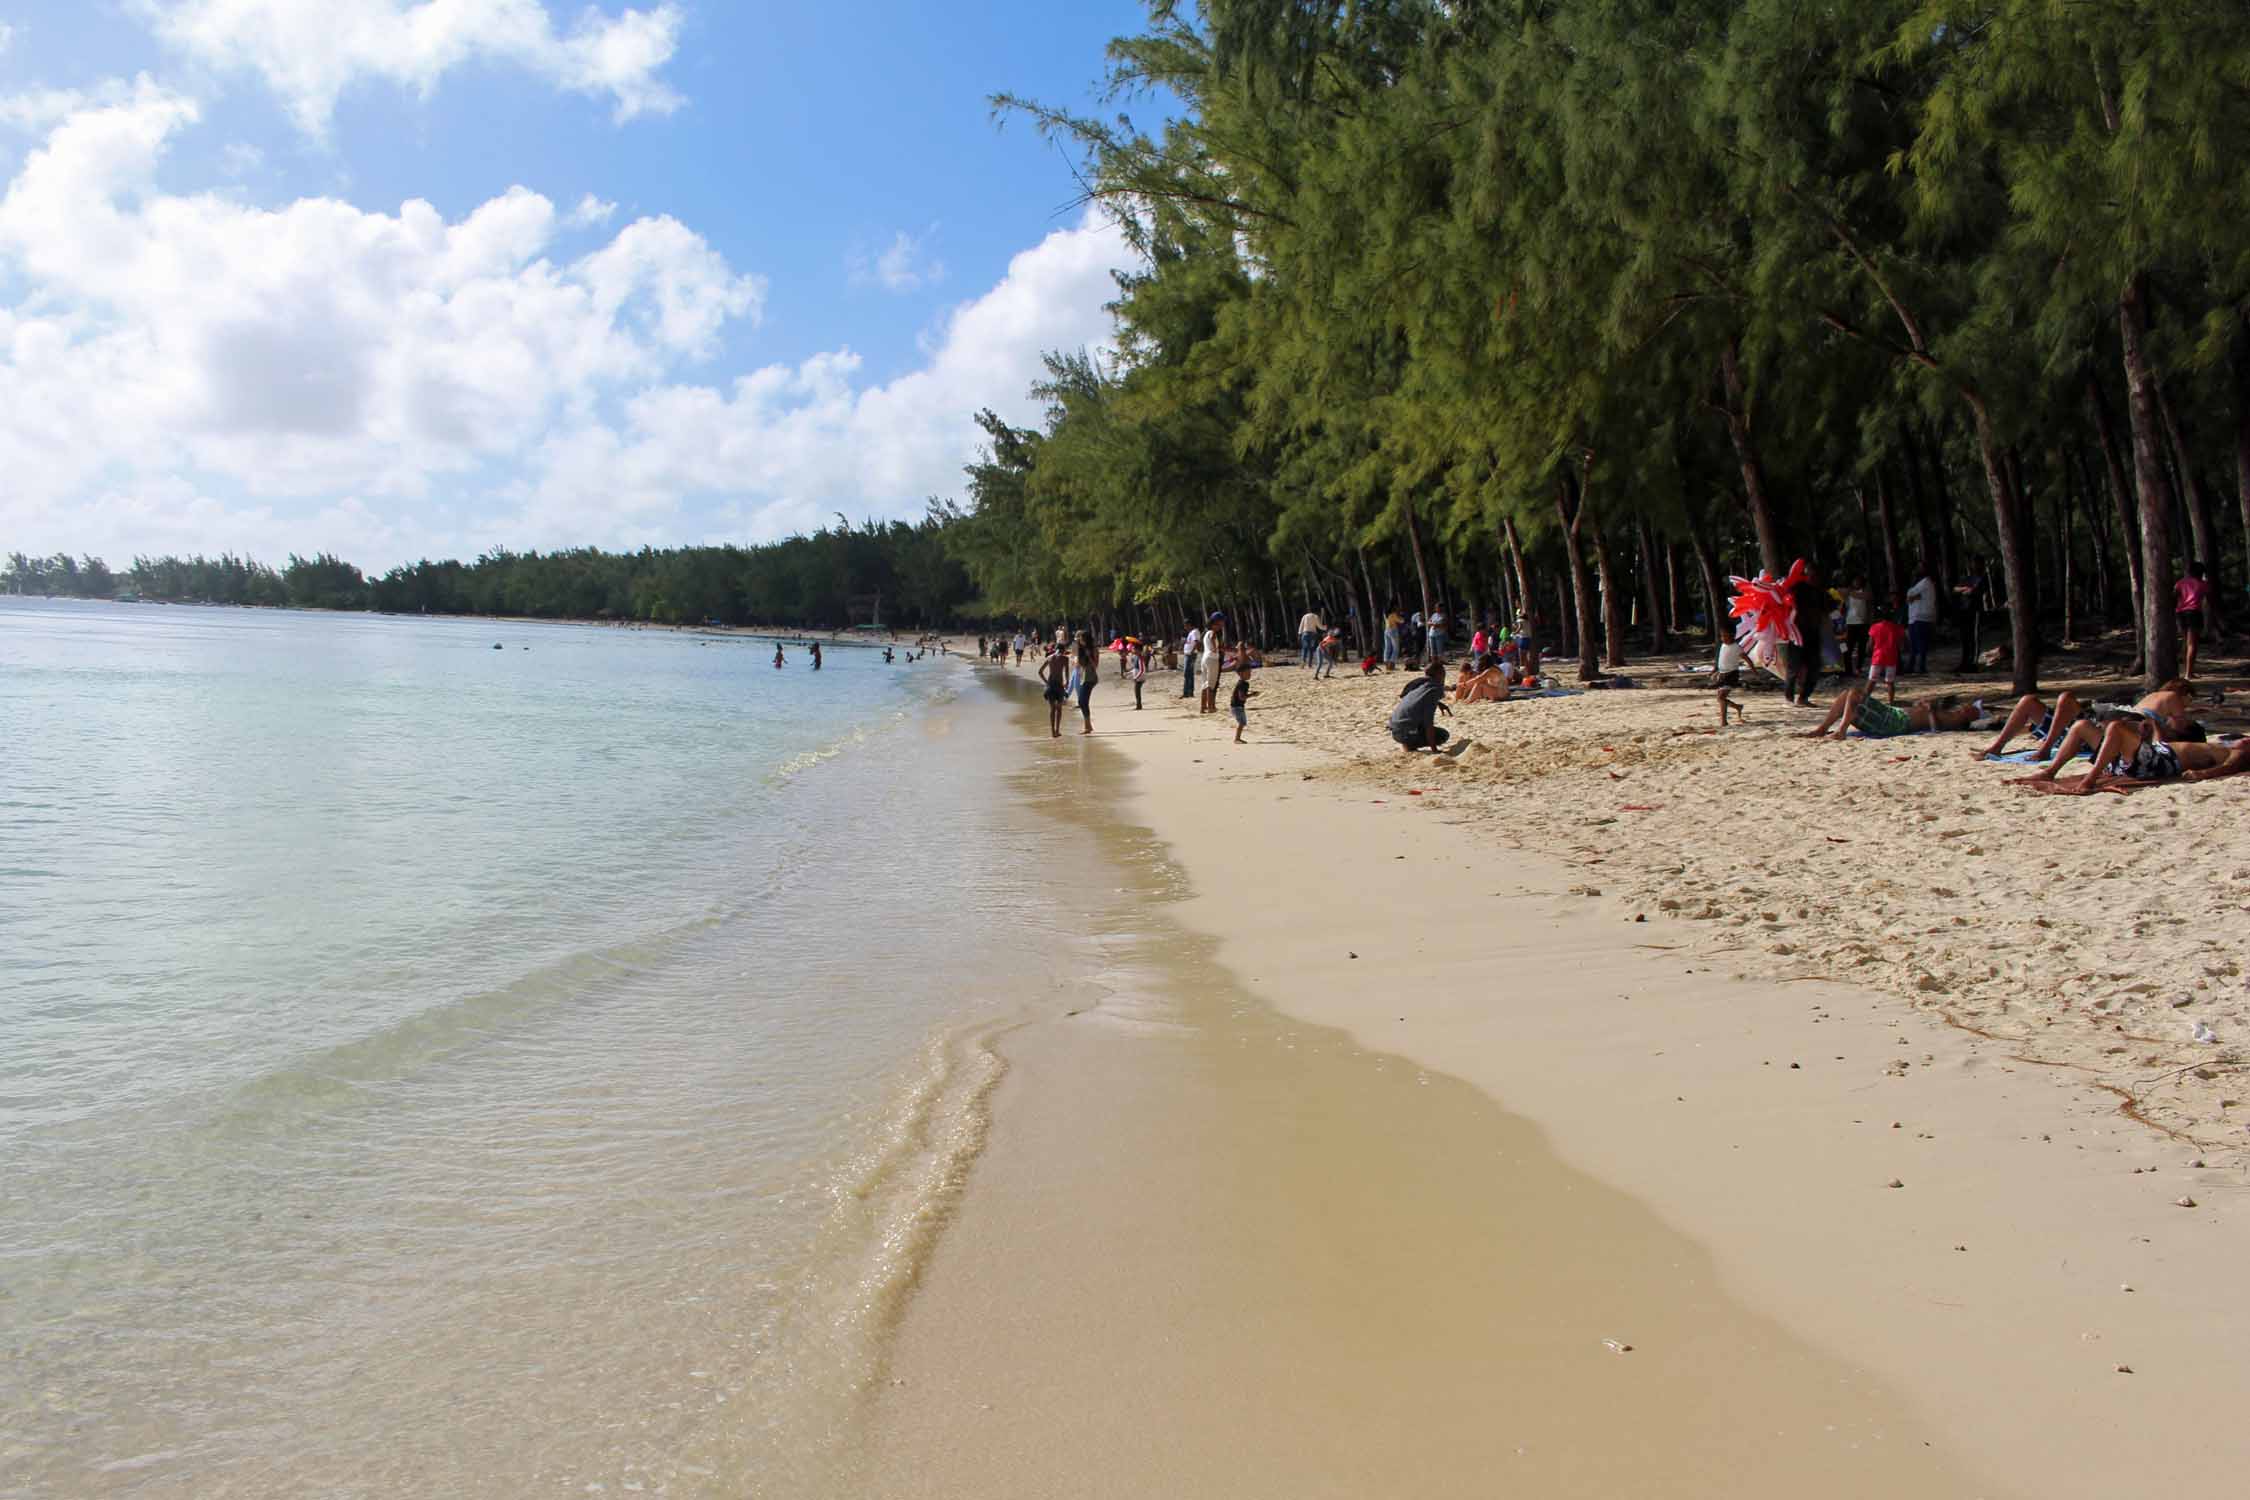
(1790, 1066)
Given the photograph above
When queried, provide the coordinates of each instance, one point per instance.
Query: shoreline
(1764, 1120)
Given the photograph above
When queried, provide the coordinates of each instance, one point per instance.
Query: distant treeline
(836, 576)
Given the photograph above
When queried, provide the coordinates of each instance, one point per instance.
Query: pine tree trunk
(1672, 589)
(1648, 588)
(2015, 554)
(1613, 604)
(1570, 509)
(2241, 365)
(1889, 527)
(1421, 569)
(2202, 534)
(2121, 506)
(2160, 655)
(1772, 552)
(1372, 645)
(2066, 504)
(1713, 594)
(1523, 575)
(1932, 560)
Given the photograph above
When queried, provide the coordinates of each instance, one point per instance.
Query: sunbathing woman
(2167, 707)
(2131, 753)
(1856, 708)
(1483, 683)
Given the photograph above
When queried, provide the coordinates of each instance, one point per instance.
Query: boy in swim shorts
(1239, 703)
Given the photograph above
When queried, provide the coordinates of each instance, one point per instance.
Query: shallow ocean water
(427, 1068)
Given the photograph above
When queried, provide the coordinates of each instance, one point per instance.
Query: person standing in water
(816, 656)
(1089, 673)
(778, 659)
(1054, 679)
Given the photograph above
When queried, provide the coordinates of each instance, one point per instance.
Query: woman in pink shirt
(2189, 596)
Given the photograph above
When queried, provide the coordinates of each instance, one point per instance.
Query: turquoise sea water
(427, 1068)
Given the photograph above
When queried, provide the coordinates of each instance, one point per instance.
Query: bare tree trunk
(1932, 560)
(1896, 585)
(1372, 645)
(1570, 509)
(1613, 605)
(2066, 503)
(2241, 369)
(1672, 588)
(1515, 561)
(2123, 507)
(1713, 595)
(1649, 595)
(1772, 552)
(1421, 569)
(2015, 552)
(2202, 534)
(2160, 657)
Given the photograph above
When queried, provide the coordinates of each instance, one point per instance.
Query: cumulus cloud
(789, 445)
(904, 266)
(196, 371)
(310, 51)
(315, 348)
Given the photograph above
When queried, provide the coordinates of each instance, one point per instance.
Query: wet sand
(1213, 1251)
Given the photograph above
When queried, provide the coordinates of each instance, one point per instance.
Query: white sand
(1595, 986)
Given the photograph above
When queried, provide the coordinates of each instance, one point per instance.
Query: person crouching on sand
(1414, 717)
(1239, 703)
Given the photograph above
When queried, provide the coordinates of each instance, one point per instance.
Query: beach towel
(2030, 757)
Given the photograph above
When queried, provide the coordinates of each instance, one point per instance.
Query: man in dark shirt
(1811, 611)
(1414, 719)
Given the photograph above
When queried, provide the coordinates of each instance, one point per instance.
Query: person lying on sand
(2167, 708)
(1856, 708)
(2132, 753)
(1482, 683)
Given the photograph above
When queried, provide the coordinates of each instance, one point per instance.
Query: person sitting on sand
(1483, 682)
(1856, 708)
(1414, 717)
(2166, 708)
(2130, 754)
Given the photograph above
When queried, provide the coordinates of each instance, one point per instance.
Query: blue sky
(679, 270)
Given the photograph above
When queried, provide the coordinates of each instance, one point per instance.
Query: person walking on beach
(1214, 660)
(1804, 657)
(1019, 643)
(2191, 597)
(1921, 621)
(1239, 704)
(1089, 672)
(1136, 668)
(1884, 639)
(1188, 648)
(1857, 603)
(1309, 630)
(1054, 675)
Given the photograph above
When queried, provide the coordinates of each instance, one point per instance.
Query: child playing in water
(1239, 704)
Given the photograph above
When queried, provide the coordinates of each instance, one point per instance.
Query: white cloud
(591, 213)
(7, 37)
(315, 349)
(905, 266)
(792, 444)
(195, 371)
(310, 51)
